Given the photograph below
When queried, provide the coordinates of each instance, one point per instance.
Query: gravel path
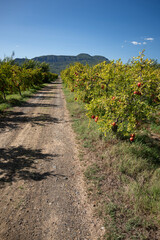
(42, 192)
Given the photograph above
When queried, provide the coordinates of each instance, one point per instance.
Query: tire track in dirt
(42, 190)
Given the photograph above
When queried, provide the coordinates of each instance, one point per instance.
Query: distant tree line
(15, 78)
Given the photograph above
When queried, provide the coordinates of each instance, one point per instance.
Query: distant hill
(58, 63)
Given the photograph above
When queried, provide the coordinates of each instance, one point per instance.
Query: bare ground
(42, 192)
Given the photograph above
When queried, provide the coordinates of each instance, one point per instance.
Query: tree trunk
(19, 91)
(4, 96)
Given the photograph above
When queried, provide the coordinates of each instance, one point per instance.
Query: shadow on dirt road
(20, 163)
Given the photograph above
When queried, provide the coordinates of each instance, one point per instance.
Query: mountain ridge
(59, 62)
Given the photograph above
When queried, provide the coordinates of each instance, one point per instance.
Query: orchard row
(119, 97)
(15, 79)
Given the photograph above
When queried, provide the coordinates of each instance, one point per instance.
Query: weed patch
(16, 99)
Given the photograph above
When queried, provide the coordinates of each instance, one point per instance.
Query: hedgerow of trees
(119, 97)
(15, 78)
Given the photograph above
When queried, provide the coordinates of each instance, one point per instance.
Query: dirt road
(42, 193)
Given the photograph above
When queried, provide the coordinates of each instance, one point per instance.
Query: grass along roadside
(16, 100)
(123, 178)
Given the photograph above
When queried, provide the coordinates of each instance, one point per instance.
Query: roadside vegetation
(19, 82)
(122, 174)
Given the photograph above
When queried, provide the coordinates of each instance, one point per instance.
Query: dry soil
(42, 191)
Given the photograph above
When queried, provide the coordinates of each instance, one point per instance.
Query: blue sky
(111, 28)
